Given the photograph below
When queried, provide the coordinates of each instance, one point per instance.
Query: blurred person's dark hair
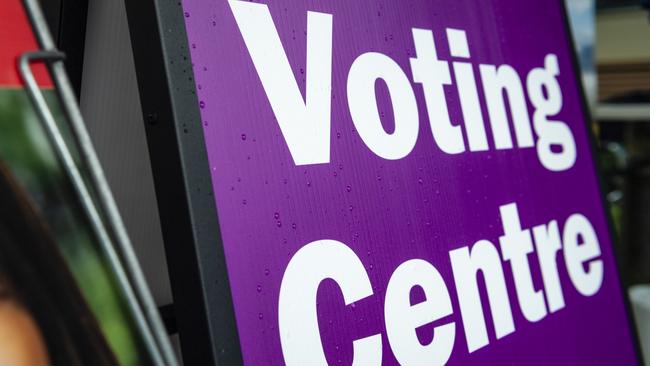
(34, 274)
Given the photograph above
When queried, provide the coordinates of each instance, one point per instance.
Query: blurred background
(612, 39)
(620, 91)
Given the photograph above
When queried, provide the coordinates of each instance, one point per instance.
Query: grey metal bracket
(112, 234)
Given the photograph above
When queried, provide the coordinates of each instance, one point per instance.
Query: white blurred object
(623, 112)
(640, 299)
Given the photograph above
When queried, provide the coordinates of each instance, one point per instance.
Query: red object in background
(16, 37)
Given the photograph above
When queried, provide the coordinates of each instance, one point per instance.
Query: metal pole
(105, 196)
(66, 159)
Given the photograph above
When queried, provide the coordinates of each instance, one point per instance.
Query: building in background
(622, 118)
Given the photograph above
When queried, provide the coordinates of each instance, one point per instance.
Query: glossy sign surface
(405, 182)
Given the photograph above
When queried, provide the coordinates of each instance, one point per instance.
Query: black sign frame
(197, 268)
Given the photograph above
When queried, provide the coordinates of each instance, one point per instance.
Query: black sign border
(193, 244)
(203, 306)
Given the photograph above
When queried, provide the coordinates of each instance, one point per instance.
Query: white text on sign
(577, 243)
(305, 122)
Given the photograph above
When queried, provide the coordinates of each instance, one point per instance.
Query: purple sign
(405, 182)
